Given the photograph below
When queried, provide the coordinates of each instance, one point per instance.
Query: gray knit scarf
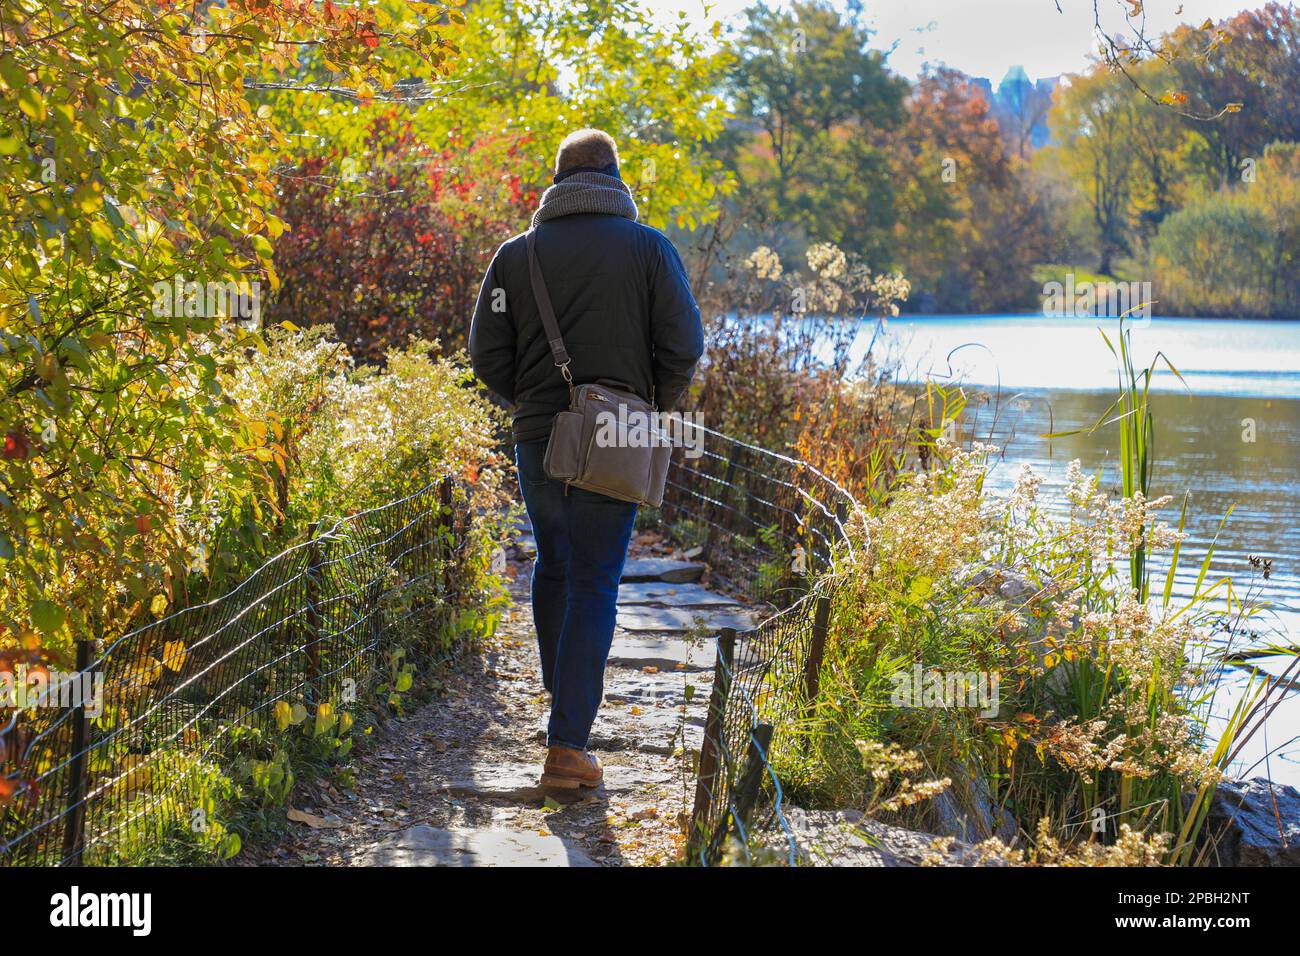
(586, 192)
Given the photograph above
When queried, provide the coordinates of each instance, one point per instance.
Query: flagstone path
(455, 782)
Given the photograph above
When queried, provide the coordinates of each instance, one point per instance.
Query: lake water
(1230, 439)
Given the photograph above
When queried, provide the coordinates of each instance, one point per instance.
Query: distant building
(1020, 106)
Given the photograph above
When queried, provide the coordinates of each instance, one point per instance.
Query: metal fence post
(707, 780)
(74, 822)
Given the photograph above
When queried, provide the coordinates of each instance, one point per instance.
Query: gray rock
(425, 845)
(967, 811)
(1243, 830)
(662, 569)
(1004, 588)
(1012, 588)
(847, 838)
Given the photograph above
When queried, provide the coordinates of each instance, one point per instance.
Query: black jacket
(625, 311)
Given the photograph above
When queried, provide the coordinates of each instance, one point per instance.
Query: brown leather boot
(569, 769)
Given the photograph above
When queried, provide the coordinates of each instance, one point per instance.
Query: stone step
(515, 782)
(655, 730)
(674, 620)
(674, 595)
(425, 845)
(652, 689)
(662, 569)
(665, 653)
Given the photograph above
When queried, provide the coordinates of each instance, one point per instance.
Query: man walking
(626, 313)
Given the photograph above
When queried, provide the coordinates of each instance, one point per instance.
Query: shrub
(1235, 252)
(342, 439)
(131, 156)
(393, 241)
(1101, 708)
(781, 368)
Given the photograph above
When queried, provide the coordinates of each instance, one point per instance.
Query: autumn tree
(815, 105)
(138, 182)
(404, 255)
(1250, 64)
(525, 75)
(1091, 121)
(970, 220)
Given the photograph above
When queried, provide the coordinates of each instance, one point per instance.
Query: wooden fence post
(707, 780)
(74, 821)
(752, 779)
(312, 645)
(816, 651)
(668, 507)
(717, 512)
(446, 548)
(446, 525)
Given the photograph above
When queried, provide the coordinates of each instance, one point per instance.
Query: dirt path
(455, 782)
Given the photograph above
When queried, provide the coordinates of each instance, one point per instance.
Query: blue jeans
(582, 540)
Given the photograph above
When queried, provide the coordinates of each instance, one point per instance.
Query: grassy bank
(1005, 666)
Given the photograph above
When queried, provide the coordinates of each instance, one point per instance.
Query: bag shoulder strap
(552, 327)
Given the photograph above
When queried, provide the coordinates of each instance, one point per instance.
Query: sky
(986, 37)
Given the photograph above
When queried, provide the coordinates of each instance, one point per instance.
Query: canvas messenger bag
(609, 441)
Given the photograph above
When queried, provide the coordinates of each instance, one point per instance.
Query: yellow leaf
(32, 103)
(142, 673)
(158, 605)
(174, 655)
(137, 774)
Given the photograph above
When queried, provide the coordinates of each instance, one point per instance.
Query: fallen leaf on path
(313, 821)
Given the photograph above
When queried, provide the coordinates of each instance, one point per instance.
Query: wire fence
(768, 526)
(117, 769)
(766, 523)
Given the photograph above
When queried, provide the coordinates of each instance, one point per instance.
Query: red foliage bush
(399, 246)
